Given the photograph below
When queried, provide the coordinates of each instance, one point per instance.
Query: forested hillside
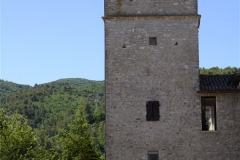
(76, 81)
(7, 87)
(51, 108)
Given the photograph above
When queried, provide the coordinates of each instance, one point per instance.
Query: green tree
(50, 107)
(17, 138)
(218, 71)
(77, 141)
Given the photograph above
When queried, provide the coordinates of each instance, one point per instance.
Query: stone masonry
(223, 144)
(136, 72)
(150, 7)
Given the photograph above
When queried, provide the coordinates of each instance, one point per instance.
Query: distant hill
(53, 98)
(7, 87)
(51, 107)
(76, 81)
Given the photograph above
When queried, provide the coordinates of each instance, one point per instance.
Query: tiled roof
(217, 83)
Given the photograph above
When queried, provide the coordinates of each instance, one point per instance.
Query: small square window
(209, 122)
(152, 40)
(153, 155)
(152, 108)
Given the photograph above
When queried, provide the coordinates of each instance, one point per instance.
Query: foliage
(219, 71)
(7, 87)
(52, 106)
(77, 141)
(17, 139)
(76, 81)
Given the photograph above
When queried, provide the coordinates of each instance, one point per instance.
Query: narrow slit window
(152, 40)
(209, 121)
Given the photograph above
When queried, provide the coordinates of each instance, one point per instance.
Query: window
(152, 108)
(152, 40)
(209, 114)
(153, 155)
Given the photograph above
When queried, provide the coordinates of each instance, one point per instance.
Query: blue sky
(45, 40)
(219, 33)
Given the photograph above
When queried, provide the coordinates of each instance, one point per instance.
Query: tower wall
(150, 7)
(137, 72)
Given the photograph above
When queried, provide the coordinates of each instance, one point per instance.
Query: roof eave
(218, 91)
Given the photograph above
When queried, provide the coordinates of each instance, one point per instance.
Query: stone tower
(151, 76)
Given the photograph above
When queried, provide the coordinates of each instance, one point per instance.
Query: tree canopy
(77, 142)
(49, 108)
(217, 70)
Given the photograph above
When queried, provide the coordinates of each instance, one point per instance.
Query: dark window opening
(209, 122)
(153, 155)
(152, 108)
(152, 40)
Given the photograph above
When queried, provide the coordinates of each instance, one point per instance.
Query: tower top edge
(197, 16)
(150, 7)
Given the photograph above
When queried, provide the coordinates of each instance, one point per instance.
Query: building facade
(153, 100)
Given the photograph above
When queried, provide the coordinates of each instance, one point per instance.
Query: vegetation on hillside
(17, 139)
(50, 108)
(75, 81)
(7, 87)
(79, 138)
(219, 71)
